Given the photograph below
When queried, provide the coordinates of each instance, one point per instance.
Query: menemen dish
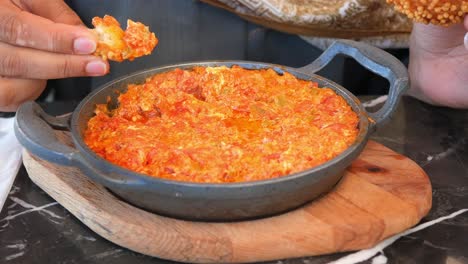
(222, 125)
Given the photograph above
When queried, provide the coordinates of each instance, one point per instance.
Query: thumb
(14, 92)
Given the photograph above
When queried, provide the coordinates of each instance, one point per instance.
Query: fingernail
(466, 41)
(96, 68)
(84, 46)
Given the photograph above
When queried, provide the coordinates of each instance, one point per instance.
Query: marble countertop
(35, 229)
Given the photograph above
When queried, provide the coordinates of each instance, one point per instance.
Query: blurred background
(291, 33)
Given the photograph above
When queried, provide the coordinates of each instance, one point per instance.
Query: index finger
(465, 40)
(24, 29)
(466, 22)
(55, 10)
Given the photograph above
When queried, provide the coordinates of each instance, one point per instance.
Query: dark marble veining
(35, 229)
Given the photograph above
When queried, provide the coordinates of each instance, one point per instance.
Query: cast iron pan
(212, 202)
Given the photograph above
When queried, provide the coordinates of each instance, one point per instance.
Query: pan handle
(377, 61)
(34, 130)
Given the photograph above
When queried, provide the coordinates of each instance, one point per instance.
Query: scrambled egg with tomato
(437, 12)
(222, 125)
(117, 45)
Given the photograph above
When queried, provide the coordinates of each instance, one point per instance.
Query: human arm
(438, 65)
(41, 40)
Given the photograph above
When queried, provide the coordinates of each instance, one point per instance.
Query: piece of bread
(437, 12)
(117, 45)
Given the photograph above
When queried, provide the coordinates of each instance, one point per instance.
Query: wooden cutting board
(381, 194)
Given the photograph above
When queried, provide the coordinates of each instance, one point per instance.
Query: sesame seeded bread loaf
(437, 12)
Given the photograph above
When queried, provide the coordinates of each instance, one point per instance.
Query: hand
(439, 64)
(41, 40)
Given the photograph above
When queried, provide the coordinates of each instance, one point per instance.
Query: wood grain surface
(381, 194)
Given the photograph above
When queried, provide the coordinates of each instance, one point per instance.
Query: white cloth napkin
(10, 157)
